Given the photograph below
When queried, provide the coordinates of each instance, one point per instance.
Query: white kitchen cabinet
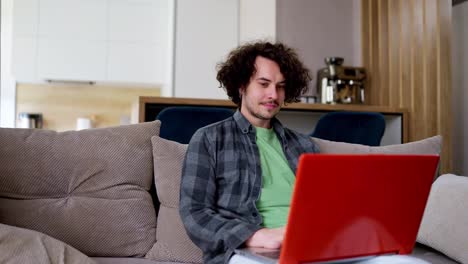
(73, 19)
(92, 40)
(138, 49)
(25, 18)
(24, 44)
(72, 40)
(81, 60)
(139, 20)
(137, 63)
(23, 58)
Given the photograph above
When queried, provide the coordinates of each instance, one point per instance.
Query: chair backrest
(351, 127)
(179, 123)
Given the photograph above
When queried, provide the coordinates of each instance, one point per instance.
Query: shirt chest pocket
(234, 173)
(231, 166)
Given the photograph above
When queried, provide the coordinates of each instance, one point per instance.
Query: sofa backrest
(88, 188)
(92, 188)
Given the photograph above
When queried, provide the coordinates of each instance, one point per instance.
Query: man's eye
(264, 85)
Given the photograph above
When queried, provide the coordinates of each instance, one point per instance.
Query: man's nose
(272, 92)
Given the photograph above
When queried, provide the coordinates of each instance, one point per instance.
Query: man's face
(264, 95)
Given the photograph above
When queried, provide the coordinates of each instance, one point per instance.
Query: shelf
(298, 116)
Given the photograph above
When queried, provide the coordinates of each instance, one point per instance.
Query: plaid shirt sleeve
(215, 233)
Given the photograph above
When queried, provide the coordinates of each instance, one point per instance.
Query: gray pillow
(432, 145)
(88, 188)
(172, 241)
(444, 226)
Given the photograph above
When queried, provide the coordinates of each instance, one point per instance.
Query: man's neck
(255, 121)
(262, 123)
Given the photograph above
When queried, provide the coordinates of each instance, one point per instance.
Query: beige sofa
(111, 196)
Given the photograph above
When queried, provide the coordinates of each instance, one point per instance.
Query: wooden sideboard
(298, 116)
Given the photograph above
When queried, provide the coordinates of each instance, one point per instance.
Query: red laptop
(351, 206)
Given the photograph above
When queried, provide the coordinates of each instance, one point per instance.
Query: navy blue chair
(351, 127)
(179, 123)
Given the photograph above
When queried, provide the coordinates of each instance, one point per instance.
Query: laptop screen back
(346, 206)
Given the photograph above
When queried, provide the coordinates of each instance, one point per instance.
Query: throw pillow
(88, 188)
(172, 241)
(19, 245)
(444, 224)
(432, 145)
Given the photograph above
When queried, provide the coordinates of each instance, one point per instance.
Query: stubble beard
(258, 114)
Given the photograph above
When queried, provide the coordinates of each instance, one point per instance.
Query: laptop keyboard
(270, 254)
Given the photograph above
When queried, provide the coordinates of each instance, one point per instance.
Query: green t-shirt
(278, 180)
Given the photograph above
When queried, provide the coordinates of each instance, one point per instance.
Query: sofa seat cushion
(19, 245)
(172, 241)
(88, 188)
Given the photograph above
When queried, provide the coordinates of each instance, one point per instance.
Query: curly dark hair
(237, 70)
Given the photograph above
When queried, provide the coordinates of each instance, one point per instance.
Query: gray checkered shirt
(222, 180)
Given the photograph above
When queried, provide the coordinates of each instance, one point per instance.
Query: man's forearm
(211, 231)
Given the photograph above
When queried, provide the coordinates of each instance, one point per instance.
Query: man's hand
(271, 238)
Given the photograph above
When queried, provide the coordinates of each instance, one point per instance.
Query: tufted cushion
(87, 188)
(172, 241)
(444, 225)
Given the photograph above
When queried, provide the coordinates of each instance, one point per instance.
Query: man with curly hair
(239, 173)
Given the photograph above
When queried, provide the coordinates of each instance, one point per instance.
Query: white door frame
(8, 84)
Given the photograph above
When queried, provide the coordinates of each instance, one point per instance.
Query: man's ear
(241, 91)
(241, 94)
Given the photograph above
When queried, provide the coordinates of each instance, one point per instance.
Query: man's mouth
(270, 105)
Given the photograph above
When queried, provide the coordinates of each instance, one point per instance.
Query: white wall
(460, 87)
(319, 29)
(257, 20)
(206, 30)
(7, 86)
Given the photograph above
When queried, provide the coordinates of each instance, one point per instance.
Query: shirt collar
(242, 122)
